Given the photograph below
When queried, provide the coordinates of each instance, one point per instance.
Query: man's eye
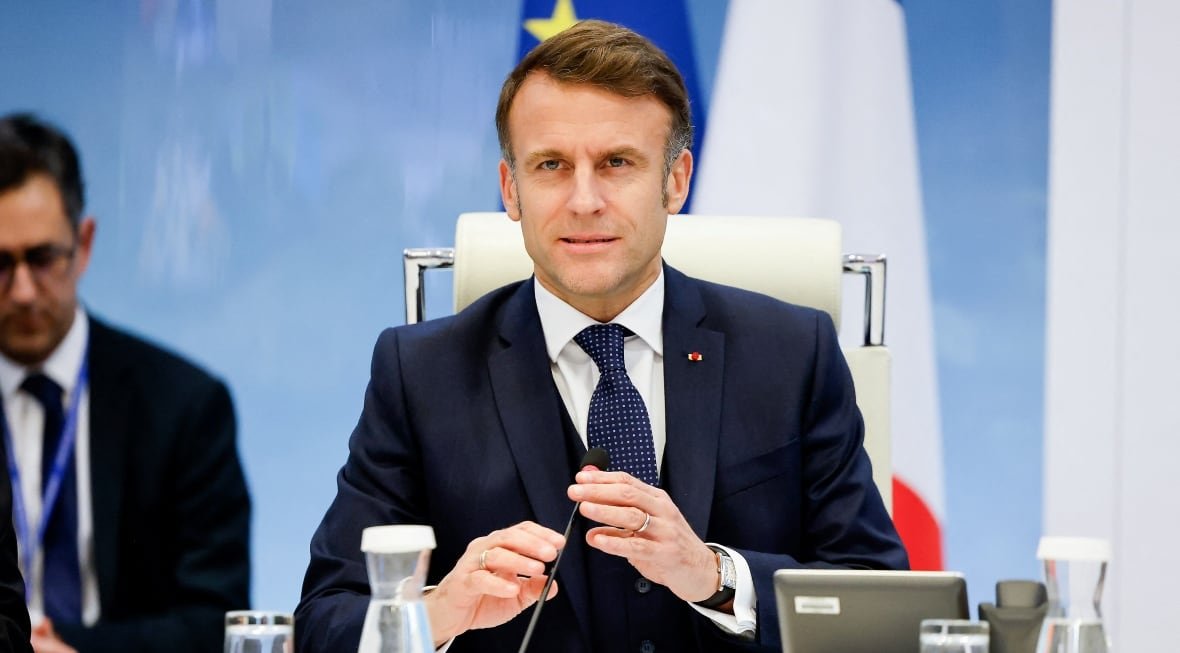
(550, 165)
(616, 162)
(40, 257)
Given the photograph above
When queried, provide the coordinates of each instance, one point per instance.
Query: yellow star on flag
(563, 17)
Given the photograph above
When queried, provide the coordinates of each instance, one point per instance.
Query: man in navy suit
(146, 542)
(475, 424)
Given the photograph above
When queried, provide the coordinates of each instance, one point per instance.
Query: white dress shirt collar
(560, 322)
(62, 365)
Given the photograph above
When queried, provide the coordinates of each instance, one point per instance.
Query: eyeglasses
(46, 262)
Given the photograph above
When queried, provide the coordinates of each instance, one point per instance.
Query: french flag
(812, 115)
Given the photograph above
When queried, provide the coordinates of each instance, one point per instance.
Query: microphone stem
(528, 634)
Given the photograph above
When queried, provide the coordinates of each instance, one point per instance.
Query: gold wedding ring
(483, 560)
(646, 522)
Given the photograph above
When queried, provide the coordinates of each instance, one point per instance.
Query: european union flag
(664, 22)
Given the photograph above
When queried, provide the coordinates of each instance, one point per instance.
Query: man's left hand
(666, 551)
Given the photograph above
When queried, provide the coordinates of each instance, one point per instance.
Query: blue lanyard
(61, 459)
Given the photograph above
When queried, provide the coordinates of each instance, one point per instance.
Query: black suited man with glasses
(129, 505)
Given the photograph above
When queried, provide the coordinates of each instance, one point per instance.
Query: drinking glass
(953, 636)
(397, 558)
(259, 631)
(1075, 573)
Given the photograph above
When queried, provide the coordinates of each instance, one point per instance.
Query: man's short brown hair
(612, 58)
(30, 146)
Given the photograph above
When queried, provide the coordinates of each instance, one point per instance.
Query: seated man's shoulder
(122, 347)
(756, 311)
(471, 326)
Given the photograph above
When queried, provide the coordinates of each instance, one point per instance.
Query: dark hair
(610, 57)
(29, 146)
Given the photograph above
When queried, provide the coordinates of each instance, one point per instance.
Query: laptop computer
(854, 611)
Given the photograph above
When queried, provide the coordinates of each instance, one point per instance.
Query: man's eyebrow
(626, 151)
(534, 158)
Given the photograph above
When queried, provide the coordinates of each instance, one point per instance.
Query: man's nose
(22, 287)
(586, 196)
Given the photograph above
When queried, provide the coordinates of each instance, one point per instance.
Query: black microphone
(601, 459)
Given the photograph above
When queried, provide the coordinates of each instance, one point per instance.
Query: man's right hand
(509, 580)
(46, 640)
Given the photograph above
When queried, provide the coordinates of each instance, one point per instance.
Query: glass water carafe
(397, 559)
(1075, 572)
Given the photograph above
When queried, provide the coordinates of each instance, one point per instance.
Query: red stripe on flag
(919, 528)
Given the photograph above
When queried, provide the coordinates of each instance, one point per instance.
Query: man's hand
(667, 551)
(498, 576)
(45, 639)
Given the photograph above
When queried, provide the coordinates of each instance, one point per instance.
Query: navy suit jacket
(171, 510)
(462, 430)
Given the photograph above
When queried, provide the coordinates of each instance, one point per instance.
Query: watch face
(728, 572)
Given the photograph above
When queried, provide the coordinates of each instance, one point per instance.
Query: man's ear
(508, 193)
(677, 183)
(86, 230)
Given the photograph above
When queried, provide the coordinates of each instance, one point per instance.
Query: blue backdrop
(256, 169)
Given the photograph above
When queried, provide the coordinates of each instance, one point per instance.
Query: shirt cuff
(744, 620)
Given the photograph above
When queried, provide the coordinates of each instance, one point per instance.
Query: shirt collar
(560, 322)
(62, 365)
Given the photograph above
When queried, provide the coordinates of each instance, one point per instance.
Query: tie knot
(604, 344)
(45, 390)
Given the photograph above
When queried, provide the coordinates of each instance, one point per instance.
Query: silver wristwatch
(727, 584)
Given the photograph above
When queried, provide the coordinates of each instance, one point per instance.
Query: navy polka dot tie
(618, 420)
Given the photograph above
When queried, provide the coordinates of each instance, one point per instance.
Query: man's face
(37, 301)
(589, 188)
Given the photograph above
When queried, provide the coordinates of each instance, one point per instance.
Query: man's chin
(590, 286)
(27, 350)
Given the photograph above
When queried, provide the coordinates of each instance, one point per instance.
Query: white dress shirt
(25, 419)
(576, 376)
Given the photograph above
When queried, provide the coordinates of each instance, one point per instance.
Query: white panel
(1149, 429)
(1084, 275)
(1084, 268)
(1111, 423)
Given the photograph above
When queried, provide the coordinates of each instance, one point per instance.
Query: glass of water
(953, 636)
(259, 631)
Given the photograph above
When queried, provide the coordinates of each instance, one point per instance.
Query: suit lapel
(109, 413)
(522, 380)
(694, 361)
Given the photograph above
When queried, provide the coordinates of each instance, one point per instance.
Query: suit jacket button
(647, 646)
(643, 585)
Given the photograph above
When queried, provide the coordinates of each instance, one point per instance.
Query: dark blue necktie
(618, 419)
(61, 581)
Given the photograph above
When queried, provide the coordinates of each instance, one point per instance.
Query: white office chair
(797, 260)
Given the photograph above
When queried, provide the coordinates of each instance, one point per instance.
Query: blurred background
(257, 167)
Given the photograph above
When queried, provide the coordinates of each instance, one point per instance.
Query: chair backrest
(797, 260)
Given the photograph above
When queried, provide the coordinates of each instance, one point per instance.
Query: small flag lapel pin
(695, 357)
